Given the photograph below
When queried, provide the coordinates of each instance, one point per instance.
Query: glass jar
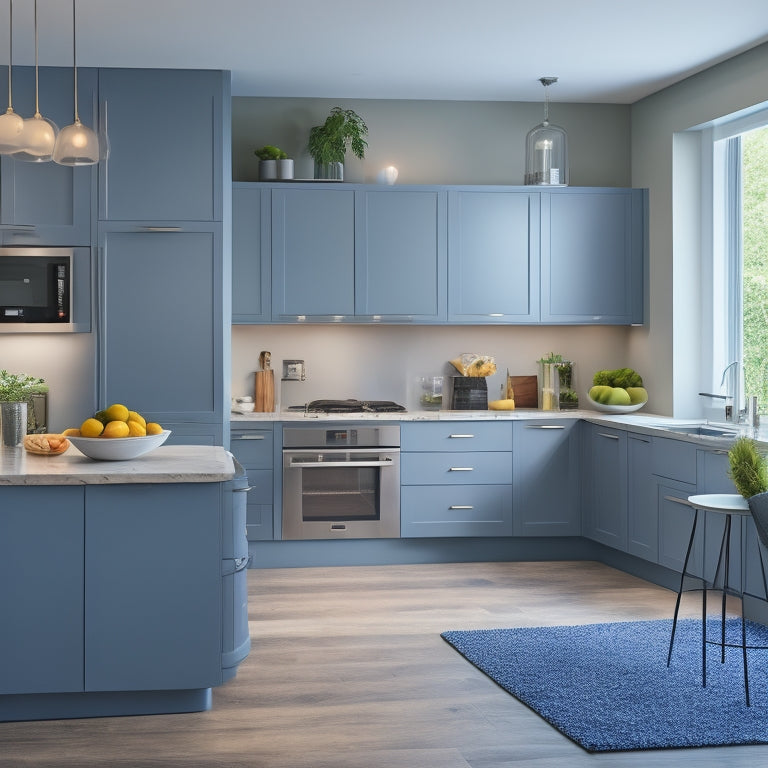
(429, 390)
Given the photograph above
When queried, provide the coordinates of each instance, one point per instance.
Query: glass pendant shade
(11, 124)
(546, 149)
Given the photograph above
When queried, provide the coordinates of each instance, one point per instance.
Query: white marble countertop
(166, 464)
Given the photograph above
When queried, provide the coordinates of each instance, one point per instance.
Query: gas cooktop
(349, 406)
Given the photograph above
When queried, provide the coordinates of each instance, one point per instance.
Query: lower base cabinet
(253, 448)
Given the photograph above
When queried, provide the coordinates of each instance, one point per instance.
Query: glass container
(549, 387)
(429, 390)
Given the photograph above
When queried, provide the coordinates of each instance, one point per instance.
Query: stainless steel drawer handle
(461, 436)
(250, 437)
(461, 469)
(243, 490)
(545, 426)
(610, 437)
(461, 506)
(160, 229)
(324, 464)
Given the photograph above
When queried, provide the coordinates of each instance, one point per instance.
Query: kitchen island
(119, 586)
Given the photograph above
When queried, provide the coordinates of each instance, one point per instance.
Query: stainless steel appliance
(348, 406)
(341, 481)
(35, 285)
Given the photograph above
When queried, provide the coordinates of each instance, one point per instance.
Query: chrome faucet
(735, 413)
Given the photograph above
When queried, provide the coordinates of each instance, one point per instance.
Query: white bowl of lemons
(118, 448)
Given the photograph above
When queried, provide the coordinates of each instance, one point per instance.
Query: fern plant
(343, 129)
(17, 387)
(747, 467)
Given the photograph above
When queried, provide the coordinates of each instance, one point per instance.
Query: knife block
(264, 392)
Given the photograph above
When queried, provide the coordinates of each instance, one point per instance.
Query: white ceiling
(611, 51)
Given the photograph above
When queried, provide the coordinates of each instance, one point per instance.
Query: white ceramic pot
(285, 168)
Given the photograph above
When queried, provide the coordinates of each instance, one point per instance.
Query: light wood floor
(348, 670)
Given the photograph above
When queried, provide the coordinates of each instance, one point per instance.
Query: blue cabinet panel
(642, 509)
(675, 521)
(253, 446)
(675, 459)
(166, 141)
(476, 468)
(251, 268)
(313, 252)
(41, 589)
(592, 248)
(464, 510)
(161, 343)
(49, 203)
(153, 622)
(456, 436)
(400, 265)
(546, 472)
(493, 257)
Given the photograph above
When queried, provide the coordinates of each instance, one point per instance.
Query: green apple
(637, 395)
(618, 396)
(600, 393)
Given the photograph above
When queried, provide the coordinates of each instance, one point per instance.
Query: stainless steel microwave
(36, 285)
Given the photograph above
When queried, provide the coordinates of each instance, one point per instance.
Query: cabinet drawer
(253, 448)
(476, 468)
(456, 436)
(259, 522)
(675, 459)
(466, 510)
(260, 481)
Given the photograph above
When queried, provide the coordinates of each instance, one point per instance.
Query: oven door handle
(320, 464)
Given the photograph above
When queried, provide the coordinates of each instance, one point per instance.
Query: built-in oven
(341, 481)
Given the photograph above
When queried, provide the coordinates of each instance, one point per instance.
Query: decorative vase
(329, 171)
(285, 168)
(267, 170)
(13, 423)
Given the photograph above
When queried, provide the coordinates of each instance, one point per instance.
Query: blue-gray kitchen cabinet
(251, 248)
(493, 256)
(313, 252)
(161, 345)
(167, 134)
(456, 479)
(642, 508)
(253, 446)
(592, 256)
(46, 203)
(546, 471)
(41, 589)
(605, 486)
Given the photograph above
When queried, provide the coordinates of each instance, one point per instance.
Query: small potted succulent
(16, 390)
(274, 163)
(328, 143)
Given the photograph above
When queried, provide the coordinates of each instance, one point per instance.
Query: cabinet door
(493, 257)
(675, 521)
(606, 498)
(251, 290)
(642, 510)
(161, 345)
(313, 253)
(546, 472)
(166, 137)
(592, 245)
(41, 589)
(400, 265)
(153, 622)
(253, 448)
(46, 203)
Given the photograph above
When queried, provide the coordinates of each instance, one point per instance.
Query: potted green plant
(748, 469)
(16, 390)
(274, 163)
(328, 143)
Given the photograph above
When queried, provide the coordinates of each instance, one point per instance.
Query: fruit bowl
(605, 408)
(118, 448)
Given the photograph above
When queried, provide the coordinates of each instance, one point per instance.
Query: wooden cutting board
(264, 392)
(526, 390)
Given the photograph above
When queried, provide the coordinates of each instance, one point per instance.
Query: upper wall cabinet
(251, 299)
(164, 129)
(592, 249)
(493, 256)
(46, 203)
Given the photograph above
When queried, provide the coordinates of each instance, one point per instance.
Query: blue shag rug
(608, 687)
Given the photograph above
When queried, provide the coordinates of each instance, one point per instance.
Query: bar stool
(731, 505)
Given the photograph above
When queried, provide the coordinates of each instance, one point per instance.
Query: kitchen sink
(704, 430)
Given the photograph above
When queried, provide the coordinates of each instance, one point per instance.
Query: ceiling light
(11, 124)
(546, 149)
(38, 136)
(77, 144)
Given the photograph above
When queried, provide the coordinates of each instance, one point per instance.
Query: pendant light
(11, 124)
(38, 136)
(77, 144)
(546, 149)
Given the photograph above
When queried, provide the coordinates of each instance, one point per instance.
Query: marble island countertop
(166, 464)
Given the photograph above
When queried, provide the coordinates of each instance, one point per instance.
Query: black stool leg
(682, 582)
(727, 542)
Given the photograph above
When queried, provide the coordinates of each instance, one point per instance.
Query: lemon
(116, 429)
(71, 432)
(116, 412)
(153, 428)
(91, 428)
(135, 416)
(135, 429)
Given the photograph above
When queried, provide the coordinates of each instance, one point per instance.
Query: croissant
(46, 444)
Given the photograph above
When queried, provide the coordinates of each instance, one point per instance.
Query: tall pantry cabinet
(164, 212)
